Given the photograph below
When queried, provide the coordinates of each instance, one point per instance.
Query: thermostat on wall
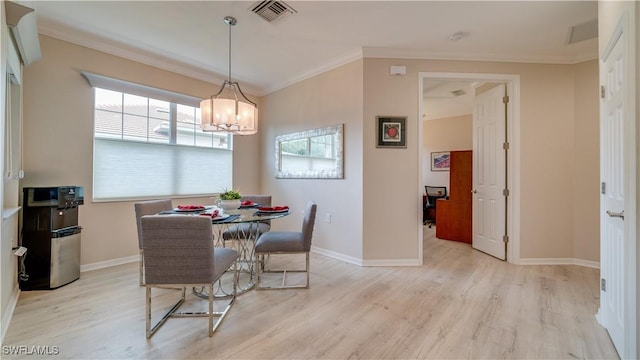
(398, 70)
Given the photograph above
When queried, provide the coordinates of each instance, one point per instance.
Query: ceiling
(448, 98)
(190, 37)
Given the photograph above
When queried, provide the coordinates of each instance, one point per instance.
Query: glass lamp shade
(229, 113)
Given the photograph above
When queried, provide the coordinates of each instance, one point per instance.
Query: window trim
(101, 81)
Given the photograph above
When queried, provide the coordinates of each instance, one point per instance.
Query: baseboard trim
(559, 261)
(336, 255)
(587, 263)
(109, 263)
(391, 262)
(361, 262)
(8, 312)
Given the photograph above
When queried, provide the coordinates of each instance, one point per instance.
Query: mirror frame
(338, 170)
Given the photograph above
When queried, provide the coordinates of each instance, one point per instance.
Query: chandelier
(229, 110)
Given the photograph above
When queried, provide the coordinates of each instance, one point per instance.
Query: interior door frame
(512, 82)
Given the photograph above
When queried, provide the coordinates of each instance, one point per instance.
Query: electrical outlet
(327, 218)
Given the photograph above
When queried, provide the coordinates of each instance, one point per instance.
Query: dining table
(243, 243)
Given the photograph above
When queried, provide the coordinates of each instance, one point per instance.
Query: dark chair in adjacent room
(251, 229)
(179, 253)
(150, 207)
(286, 242)
(433, 193)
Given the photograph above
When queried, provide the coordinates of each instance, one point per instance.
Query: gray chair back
(151, 207)
(263, 200)
(307, 225)
(178, 249)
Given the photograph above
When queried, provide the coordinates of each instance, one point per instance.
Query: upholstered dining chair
(286, 242)
(150, 207)
(179, 253)
(244, 230)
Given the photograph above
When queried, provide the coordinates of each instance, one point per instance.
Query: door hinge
(603, 188)
(505, 146)
(505, 239)
(505, 192)
(602, 92)
(603, 284)
(505, 99)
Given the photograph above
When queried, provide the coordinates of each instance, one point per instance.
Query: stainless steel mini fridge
(52, 236)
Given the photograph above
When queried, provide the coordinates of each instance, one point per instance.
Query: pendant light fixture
(229, 111)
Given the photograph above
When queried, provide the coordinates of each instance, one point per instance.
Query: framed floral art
(392, 132)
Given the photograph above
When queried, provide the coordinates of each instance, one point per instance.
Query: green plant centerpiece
(230, 195)
(229, 199)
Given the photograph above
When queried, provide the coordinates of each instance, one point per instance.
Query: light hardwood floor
(460, 304)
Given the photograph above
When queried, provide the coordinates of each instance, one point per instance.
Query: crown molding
(99, 43)
(353, 56)
(385, 53)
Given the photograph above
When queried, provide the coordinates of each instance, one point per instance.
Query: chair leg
(257, 269)
(141, 262)
(307, 270)
(260, 259)
(211, 329)
(219, 315)
(151, 331)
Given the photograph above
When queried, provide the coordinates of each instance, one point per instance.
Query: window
(153, 147)
(316, 147)
(310, 154)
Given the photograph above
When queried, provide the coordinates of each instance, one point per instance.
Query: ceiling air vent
(272, 10)
(586, 31)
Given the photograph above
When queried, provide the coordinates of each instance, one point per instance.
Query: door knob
(474, 191)
(614, 214)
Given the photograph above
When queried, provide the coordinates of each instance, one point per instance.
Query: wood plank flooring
(460, 304)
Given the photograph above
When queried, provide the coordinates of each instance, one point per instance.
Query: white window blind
(127, 169)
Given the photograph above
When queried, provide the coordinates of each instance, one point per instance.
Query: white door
(489, 169)
(612, 195)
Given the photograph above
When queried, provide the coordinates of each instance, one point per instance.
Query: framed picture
(392, 132)
(440, 161)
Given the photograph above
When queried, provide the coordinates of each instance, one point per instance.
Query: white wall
(445, 134)
(332, 98)
(586, 176)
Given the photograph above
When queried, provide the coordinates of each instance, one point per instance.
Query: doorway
(466, 82)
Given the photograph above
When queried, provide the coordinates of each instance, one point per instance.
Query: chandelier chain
(230, 25)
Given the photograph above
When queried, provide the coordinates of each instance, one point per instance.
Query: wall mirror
(310, 154)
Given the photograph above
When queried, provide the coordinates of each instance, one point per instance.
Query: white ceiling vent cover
(586, 31)
(272, 10)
